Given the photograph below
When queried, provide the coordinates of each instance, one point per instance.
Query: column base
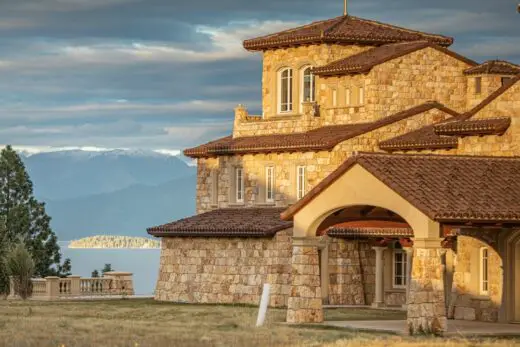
(378, 305)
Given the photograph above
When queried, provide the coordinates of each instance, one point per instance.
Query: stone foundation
(305, 301)
(426, 303)
(225, 270)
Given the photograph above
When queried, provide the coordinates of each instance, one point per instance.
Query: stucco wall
(225, 270)
(467, 302)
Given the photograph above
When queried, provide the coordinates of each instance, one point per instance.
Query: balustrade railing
(51, 288)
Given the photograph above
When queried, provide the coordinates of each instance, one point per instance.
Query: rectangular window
(286, 90)
(269, 184)
(478, 85)
(484, 265)
(361, 95)
(334, 98)
(400, 268)
(239, 184)
(214, 187)
(348, 97)
(300, 182)
(505, 80)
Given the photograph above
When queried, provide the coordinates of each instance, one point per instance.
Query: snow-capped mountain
(113, 191)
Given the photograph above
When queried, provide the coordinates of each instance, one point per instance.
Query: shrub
(20, 266)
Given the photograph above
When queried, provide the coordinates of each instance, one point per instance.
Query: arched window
(308, 85)
(285, 89)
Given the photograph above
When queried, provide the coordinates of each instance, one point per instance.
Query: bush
(20, 266)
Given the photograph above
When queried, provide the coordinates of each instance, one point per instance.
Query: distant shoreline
(114, 242)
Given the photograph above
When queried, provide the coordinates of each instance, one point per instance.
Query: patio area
(455, 327)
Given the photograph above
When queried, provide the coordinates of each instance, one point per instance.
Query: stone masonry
(426, 303)
(225, 270)
(305, 301)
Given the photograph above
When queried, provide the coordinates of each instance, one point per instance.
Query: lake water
(143, 263)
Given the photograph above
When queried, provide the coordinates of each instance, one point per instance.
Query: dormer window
(285, 90)
(308, 85)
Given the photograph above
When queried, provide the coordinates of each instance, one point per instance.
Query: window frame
(214, 187)
(478, 85)
(404, 267)
(269, 184)
(312, 84)
(505, 80)
(290, 81)
(484, 271)
(300, 181)
(239, 193)
(361, 96)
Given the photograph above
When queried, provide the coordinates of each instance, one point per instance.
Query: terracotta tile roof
(456, 189)
(365, 61)
(488, 126)
(226, 222)
(370, 229)
(498, 67)
(324, 138)
(421, 139)
(343, 30)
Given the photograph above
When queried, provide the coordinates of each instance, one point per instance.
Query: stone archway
(354, 187)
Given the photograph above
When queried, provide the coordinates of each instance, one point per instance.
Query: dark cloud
(145, 73)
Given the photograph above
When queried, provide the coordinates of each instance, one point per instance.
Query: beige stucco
(357, 187)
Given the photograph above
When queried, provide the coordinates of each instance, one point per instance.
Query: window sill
(266, 204)
(395, 290)
(285, 116)
(236, 204)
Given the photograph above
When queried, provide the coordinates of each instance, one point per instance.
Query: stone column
(379, 297)
(426, 302)
(305, 301)
(324, 271)
(409, 262)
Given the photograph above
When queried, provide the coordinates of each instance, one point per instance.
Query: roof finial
(345, 11)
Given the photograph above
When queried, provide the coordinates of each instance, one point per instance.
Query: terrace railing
(114, 283)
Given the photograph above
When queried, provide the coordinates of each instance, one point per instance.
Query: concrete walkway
(455, 327)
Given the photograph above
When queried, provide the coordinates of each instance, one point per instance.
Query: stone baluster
(426, 302)
(379, 295)
(305, 301)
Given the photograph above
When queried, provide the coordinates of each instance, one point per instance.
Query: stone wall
(319, 165)
(225, 270)
(467, 302)
(351, 272)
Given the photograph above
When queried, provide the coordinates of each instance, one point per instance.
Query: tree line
(28, 246)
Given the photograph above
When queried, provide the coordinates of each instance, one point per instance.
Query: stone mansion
(384, 171)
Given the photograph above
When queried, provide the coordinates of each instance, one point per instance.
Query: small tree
(95, 274)
(20, 266)
(107, 268)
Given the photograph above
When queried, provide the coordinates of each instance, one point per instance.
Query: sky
(167, 74)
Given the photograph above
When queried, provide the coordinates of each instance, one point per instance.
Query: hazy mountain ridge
(111, 241)
(114, 192)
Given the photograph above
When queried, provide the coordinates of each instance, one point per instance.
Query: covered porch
(438, 202)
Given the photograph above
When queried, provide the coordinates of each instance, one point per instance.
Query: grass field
(148, 323)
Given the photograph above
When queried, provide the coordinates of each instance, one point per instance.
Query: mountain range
(114, 192)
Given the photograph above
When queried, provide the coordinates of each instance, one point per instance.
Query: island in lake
(108, 241)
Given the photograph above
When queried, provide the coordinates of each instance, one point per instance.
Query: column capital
(427, 242)
(379, 248)
(319, 242)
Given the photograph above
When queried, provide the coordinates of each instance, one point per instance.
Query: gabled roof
(343, 30)
(477, 127)
(226, 222)
(323, 138)
(494, 67)
(365, 61)
(429, 138)
(456, 189)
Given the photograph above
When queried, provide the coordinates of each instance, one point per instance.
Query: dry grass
(148, 323)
